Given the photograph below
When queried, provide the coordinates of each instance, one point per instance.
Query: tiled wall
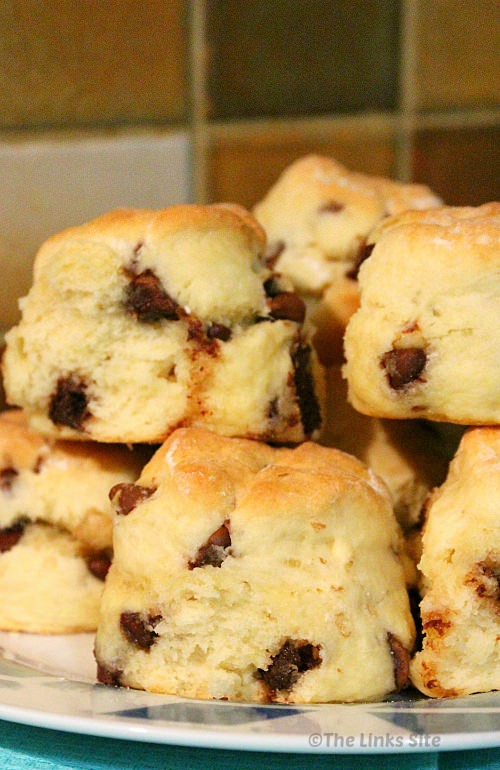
(216, 97)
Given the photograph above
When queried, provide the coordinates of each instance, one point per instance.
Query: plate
(49, 681)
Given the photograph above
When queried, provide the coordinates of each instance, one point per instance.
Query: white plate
(49, 681)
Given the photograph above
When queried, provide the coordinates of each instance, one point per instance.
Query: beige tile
(462, 165)
(49, 183)
(242, 171)
(458, 53)
(67, 63)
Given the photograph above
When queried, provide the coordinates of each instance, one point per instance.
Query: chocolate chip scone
(461, 575)
(318, 216)
(55, 526)
(141, 321)
(248, 572)
(425, 343)
(411, 456)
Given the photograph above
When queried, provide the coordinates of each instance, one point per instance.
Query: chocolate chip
(492, 590)
(69, 404)
(111, 677)
(138, 629)
(304, 388)
(486, 580)
(215, 550)
(331, 207)
(7, 476)
(137, 250)
(287, 306)
(292, 660)
(283, 305)
(204, 339)
(195, 331)
(10, 536)
(125, 496)
(404, 365)
(98, 564)
(219, 332)
(401, 661)
(414, 598)
(363, 254)
(272, 287)
(38, 465)
(148, 301)
(273, 409)
(273, 252)
(436, 624)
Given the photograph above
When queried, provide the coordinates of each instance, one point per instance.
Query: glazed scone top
(318, 215)
(188, 246)
(205, 478)
(477, 226)
(193, 451)
(431, 285)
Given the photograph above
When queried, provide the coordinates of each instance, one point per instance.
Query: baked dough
(425, 342)
(411, 456)
(460, 568)
(318, 216)
(46, 585)
(55, 526)
(247, 572)
(141, 321)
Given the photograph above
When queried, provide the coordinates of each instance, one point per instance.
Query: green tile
(294, 58)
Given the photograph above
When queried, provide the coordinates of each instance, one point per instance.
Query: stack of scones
(258, 454)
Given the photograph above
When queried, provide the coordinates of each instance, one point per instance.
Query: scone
(411, 456)
(460, 574)
(55, 526)
(318, 216)
(247, 572)
(425, 342)
(142, 321)
(46, 585)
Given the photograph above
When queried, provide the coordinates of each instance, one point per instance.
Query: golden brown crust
(455, 223)
(199, 453)
(132, 223)
(20, 447)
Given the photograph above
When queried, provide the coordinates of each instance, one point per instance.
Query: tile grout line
(407, 90)
(199, 128)
(376, 123)
(401, 124)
